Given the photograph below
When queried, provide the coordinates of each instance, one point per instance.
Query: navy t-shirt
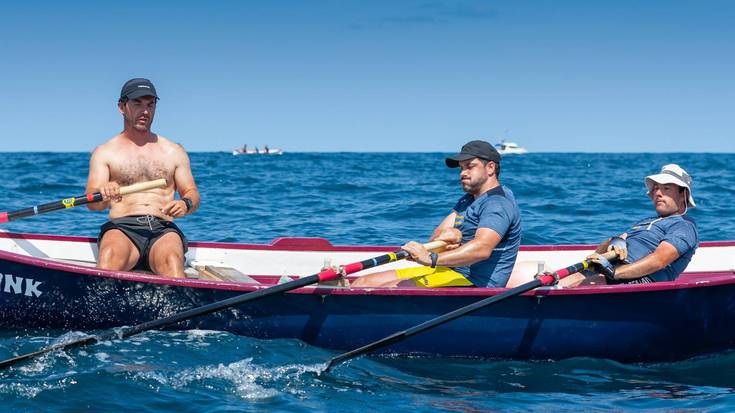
(495, 209)
(678, 230)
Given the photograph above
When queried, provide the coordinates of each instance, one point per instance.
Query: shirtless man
(140, 233)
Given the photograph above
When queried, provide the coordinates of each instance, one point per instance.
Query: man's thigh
(117, 251)
(378, 279)
(166, 250)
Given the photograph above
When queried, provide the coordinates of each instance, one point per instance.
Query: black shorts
(643, 280)
(143, 231)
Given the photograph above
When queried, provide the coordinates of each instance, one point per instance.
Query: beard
(471, 187)
(140, 127)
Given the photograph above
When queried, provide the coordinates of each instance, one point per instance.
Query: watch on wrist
(189, 203)
(434, 258)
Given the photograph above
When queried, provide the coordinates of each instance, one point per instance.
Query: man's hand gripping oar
(327, 274)
(541, 280)
(74, 201)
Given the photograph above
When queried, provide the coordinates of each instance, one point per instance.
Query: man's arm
(99, 175)
(186, 187)
(664, 255)
(446, 232)
(478, 249)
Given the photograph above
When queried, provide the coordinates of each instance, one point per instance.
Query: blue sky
(631, 76)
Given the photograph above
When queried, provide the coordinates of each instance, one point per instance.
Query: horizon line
(407, 152)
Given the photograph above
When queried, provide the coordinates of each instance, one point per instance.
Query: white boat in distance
(256, 151)
(510, 148)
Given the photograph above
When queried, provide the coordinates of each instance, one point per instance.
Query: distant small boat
(256, 151)
(510, 148)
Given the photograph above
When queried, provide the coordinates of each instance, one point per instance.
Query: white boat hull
(513, 151)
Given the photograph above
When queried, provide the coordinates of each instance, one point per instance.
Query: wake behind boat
(52, 282)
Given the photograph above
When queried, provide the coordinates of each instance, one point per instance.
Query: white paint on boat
(301, 257)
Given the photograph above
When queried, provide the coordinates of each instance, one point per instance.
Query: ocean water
(360, 198)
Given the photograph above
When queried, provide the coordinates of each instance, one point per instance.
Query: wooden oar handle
(142, 186)
(610, 255)
(435, 245)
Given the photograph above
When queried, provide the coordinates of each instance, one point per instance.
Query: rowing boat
(256, 151)
(49, 281)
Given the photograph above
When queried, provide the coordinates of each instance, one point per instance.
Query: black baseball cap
(138, 87)
(474, 149)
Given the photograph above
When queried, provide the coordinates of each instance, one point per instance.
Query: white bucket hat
(672, 174)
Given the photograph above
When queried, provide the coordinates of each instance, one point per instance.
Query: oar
(325, 275)
(541, 280)
(76, 201)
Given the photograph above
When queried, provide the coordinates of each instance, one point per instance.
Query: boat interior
(288, 258)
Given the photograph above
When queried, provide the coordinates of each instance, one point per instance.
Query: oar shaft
(542, 280)
(49, 349)
(216, 306)
(176, 318)
(402, 335)
(76, 201)
(325, 275)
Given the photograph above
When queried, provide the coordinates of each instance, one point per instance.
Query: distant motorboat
(510, 148)
(256, 151)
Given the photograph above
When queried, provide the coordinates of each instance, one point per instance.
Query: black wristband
(610, 277)
(189, 203)
(434, 258)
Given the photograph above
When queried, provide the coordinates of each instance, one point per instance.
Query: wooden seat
(220, 273)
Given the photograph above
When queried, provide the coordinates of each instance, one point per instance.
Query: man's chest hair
(140, 170)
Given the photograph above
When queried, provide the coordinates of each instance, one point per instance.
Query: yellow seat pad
(433, 277)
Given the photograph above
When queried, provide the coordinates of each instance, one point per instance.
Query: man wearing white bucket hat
(657, 248)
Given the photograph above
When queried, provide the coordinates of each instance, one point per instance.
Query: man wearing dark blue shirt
(657, 248)
(483, 232)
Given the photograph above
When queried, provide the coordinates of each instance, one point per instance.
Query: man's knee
(174, 260)
(380, 279)
(171, 264)
(115, 257)
(106, 256)
(167, 256)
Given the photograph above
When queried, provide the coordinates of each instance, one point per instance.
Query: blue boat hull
(647, 325)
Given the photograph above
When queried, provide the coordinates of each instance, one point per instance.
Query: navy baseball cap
(138, 87)
(474, 149)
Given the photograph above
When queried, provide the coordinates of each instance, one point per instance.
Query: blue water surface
(351, 199)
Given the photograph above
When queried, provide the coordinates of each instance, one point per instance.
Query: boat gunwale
(694, 280)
